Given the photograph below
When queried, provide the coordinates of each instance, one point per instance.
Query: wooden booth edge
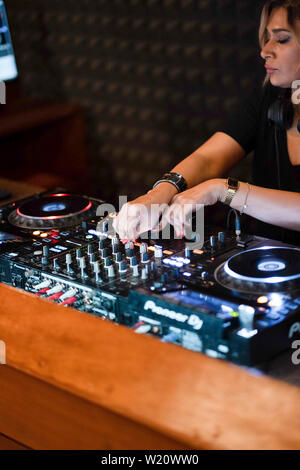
(146, 394)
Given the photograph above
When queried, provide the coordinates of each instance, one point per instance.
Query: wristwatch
(232, 187)
(175, 179)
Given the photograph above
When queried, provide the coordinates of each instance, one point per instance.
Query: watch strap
(232, 187)
(175, 179)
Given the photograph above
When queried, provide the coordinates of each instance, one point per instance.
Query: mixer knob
(204, 275)
(187, 253)
(104, 253)
(115, 248)
(97, 271)
(45, 261)
(107, 262)
(119, 257)
(143, 248)
(135, 270)
(82, 265)
(90, 249)
(56, 265)
(78, 253)
(148, 269)
(122, 267)
(164, 278)
(129, 245)
(111, 271)
(130, 252)
(45, 250)
(93, 258)
(175, 273)
(144, 274)
(212, 241)
(157, 285)
(69, 263)
(68, 258)
(145, 257)
(158, 251)
(115, 241)
(222, 237)
(153, 266)
(101, 244)
(84, 225)
(133, 261)
(246, 316)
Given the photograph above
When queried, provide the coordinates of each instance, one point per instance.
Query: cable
(277, 158)
(237, 222)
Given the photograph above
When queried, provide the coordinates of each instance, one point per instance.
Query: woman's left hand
(183, 204)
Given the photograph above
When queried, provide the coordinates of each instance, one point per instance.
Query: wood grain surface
(183, 397)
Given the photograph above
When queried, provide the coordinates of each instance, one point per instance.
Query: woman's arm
(211, 160)
(281, 208)
(275, 207)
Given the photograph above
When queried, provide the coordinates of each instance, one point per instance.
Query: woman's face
(282, 50)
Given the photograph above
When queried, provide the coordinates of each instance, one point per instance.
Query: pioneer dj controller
(235, 298)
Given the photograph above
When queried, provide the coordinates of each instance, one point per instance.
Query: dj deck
(236, 298)
(69, 369)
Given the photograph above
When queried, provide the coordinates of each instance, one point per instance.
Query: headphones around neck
(281, 111)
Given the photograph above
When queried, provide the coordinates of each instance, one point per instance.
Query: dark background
(155, 77)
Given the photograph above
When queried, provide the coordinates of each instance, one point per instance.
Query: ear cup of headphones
(282, 113)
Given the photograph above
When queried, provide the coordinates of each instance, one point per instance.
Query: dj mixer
(236, 298)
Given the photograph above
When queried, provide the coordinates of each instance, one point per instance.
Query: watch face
(233, 183)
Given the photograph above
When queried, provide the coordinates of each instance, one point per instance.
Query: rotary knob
(222, 237)
(143, 248)
(56, 265)
(158, 251)
(122, 267)
(212, 241)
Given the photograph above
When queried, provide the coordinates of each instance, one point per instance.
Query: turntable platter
(54, 211)
(261, 270)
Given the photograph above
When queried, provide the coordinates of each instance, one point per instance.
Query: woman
(275, 196)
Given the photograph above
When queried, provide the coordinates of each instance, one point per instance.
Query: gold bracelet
(246, 198)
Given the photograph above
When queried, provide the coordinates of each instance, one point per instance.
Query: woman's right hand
(142, 214)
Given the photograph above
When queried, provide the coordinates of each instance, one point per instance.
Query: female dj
(267, 122)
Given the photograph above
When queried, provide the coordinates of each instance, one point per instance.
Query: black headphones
(281, 112)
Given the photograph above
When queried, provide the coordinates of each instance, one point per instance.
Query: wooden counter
(74, 381)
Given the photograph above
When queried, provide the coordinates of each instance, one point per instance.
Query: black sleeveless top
(250, 127)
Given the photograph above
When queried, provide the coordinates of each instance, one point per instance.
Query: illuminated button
(234, 314)
(88, 237)
(292, 305)
(44, 235)
(198, 252)
(167, 252)
(274, 303)
(262, 299)
(36, 233)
